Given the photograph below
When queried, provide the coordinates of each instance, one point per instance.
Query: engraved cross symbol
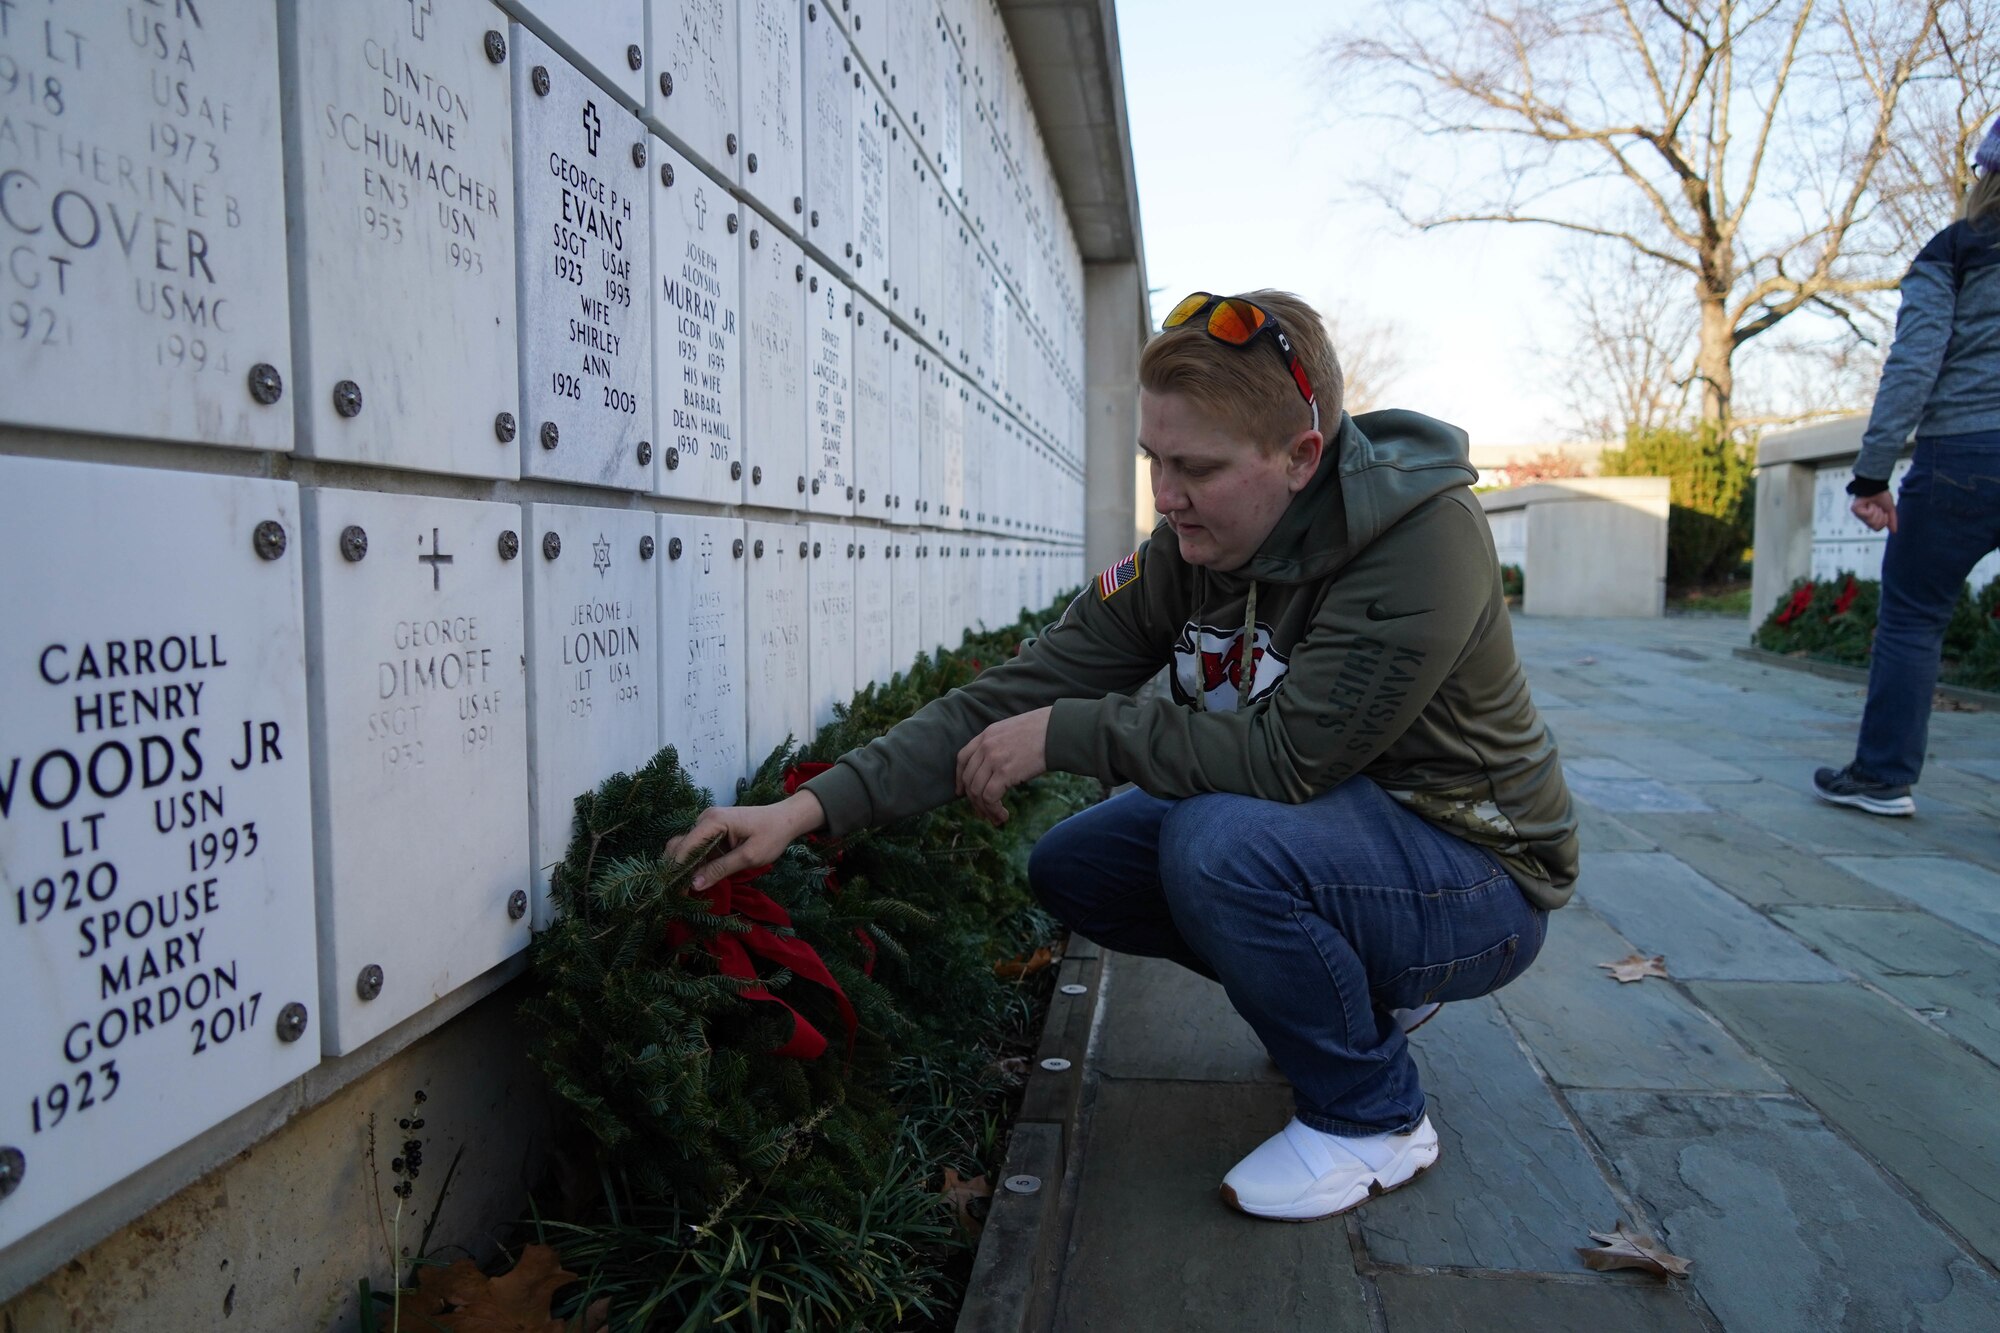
(600, 555)
(707, 551)
(434, 559)
(592, 125)
(700, 209)
(418, 9)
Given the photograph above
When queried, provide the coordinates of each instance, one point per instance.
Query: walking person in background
(1942, 381)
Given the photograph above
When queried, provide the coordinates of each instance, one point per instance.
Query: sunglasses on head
(1238, 322)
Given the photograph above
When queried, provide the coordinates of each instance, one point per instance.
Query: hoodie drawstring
(1246, 672)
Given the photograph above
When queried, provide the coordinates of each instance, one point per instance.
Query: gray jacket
(1943, 372)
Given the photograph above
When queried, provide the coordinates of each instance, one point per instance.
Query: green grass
(1728, 599)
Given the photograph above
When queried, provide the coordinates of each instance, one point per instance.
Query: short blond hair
(1982, 200)
(1250, 387)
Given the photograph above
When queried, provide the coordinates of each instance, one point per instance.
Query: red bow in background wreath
(732, 951)
(795, 777)
(1801, 599)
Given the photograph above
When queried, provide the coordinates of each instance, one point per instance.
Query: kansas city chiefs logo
(1208, 665)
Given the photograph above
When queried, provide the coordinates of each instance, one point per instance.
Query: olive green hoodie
(1380, 645)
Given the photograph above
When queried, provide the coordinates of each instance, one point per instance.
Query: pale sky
(1245, 154)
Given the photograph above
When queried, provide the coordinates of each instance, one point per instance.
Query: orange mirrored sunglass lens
(1189, 307)
(1235, 321)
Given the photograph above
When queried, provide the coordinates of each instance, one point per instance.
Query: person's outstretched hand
(751, 835)
(1877, 511)
(1003, 756)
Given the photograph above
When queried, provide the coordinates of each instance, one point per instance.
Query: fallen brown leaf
(461, 1299)
(962, 1192)
(1013, 969)
(1016, 1065)
(1637, 967)
(1622, 1248)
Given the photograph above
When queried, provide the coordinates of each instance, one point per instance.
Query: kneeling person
(1347, 812)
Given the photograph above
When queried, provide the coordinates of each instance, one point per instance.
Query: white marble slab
(144, 202)
(829, 112)
(692, 79)
(420, 757)
(829, 396)
(909, 222)
(906, 476)
(948, 143)
(869, 21)
(935, 562)
(583, 207)
(952, 402)
(698, 333)
(702, 662)
(155, 817)
(772, 65)
(605, 38)
(906, 625)
(776, 372)
(593, 665)
(830, 625)
(871, 157)
(778, 706)
(873, 494)
(401, 217)
(874, 606)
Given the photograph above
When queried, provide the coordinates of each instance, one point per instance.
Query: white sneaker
(1409, 1020)
(1300, 1174)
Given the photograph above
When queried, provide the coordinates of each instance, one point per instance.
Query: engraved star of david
(600, 555)
(592, 125)
(418, 9)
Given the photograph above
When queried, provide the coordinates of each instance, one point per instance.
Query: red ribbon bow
(733, 950)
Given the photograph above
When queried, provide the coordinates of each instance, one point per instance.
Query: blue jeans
(1317, 919)
(1947, 519)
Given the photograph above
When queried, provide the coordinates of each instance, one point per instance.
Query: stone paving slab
(1716, 742)
(1925, 1108)
(1670, 761)
(1156, 1248)
(1512, 1181)
(1755, 866)
(1940, 825)
(1633, 796)
(1453, 1304)
(1948, 975)
(1591, 766)
(1808, 823)
(1166, 1022)
(1590, 1031)
(1599, 832)
(1663, 907)
(1965, 895)
(1790, 1230)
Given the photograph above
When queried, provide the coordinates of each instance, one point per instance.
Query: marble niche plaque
(931, 321)
(906, 475)
(692, 79)
(952, 396)
(775, 374)
(909, 197)
(947, 142)
(871, 190)
(401, 224)
(698, 340)
(829, 396)
(593, 664)
(772, 65)
(874, 594)
(702, 648)
(906, 625)
(829, 619)
(930, 441)
(583, 205)
(872, 357)
(830, 81)
(776, 702)
(142, 192)
(960, 571)
(156, 954)
(605, 38)
(420, 749)
(869, 21)
(937, 573)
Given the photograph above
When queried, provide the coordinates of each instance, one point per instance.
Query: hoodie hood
(1383, 465)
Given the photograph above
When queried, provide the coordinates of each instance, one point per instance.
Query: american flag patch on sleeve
(1124, 572)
